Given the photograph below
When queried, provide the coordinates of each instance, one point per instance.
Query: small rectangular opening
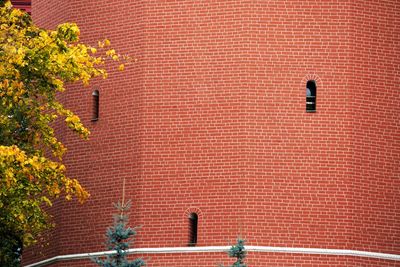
(193, 224)
(311, 96)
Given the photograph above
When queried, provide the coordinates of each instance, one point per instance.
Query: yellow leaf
(21, 217)
(110, 52)
(47, 201)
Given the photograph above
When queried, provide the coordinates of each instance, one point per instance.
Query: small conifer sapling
(118, 237)
(238, 251)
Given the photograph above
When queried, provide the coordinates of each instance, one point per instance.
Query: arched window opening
(95, 107)
(311, 96)
(193, 223)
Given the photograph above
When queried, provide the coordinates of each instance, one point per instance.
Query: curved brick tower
(212, 121)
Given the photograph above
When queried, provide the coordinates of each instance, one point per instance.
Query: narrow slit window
(311, 96)
(193, 223)
(95, 107)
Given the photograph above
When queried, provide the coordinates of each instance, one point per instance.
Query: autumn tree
(35, 65)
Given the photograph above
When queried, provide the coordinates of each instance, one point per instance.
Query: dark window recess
(193, 222)
(95, 107)
(311, 96)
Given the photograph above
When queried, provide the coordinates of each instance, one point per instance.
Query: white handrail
(262, 249)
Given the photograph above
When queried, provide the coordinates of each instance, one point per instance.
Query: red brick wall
(375, 128)
(212, 118)
(22, 4)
